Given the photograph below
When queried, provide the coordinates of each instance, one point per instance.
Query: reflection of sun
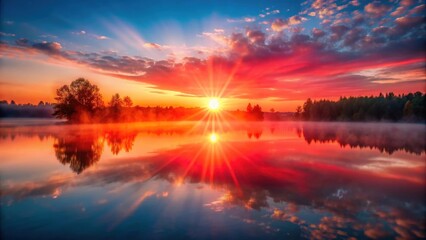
(213, 138)
(214, 104)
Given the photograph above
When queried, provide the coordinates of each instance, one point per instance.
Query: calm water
(182, 180)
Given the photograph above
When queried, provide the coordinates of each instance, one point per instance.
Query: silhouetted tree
(249, 108)
(254, 113)
(307, 109)
(298, 113)
(78, 102)
(127, 102)
(257, 113)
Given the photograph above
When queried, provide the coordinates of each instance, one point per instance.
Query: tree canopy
(78, 101)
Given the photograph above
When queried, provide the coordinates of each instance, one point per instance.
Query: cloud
(317, 33)
(152, 46)
(418, 10)
(279, 24)
(22, 42)
(407, 3)
(102, 37)
(91, 35)
(217, 36)
(339, 31)
(241, 20)
(376, 9)
(399, 11)
(248, 19)
(49, 47)
(7, 34)
(48, 36)
(293, 20)
(256, 36)
(82, 32)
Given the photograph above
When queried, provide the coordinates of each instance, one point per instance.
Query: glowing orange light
(213, 138)
(214, 104)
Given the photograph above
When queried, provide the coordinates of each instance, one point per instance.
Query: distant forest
(13, 110)
(81, 102)
(389, 107)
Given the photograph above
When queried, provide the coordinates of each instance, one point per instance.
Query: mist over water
(288, 180)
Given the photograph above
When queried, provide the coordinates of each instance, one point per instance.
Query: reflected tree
(79, 152)
(256, 133)
(386, 138)
(118, 140)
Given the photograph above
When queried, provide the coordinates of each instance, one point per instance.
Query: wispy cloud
(241, 20)
(91, 35)
(7, 34)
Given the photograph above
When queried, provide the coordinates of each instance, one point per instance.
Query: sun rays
(214, 104)
(214, 157)
(213, 138)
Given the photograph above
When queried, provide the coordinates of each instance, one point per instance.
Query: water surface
(188, 180)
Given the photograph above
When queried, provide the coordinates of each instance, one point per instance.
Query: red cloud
(375, 9)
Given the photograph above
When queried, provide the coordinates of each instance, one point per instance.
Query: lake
(198, 180)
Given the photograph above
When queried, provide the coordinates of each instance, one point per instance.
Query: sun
(214, 104)
(213, 138)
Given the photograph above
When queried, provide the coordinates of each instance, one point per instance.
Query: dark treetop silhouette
(410, 107)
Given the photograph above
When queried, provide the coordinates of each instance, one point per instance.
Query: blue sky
(154, 21)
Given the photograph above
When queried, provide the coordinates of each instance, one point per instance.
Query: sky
(182, 53)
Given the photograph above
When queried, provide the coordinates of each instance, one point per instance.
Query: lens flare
(214, 104)
(213, 138)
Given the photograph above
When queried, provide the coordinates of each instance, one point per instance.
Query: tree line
(389, 107)
(82, 102)
(13, 110)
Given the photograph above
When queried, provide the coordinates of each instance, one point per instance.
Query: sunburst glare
(214, 104)
(213, 138)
